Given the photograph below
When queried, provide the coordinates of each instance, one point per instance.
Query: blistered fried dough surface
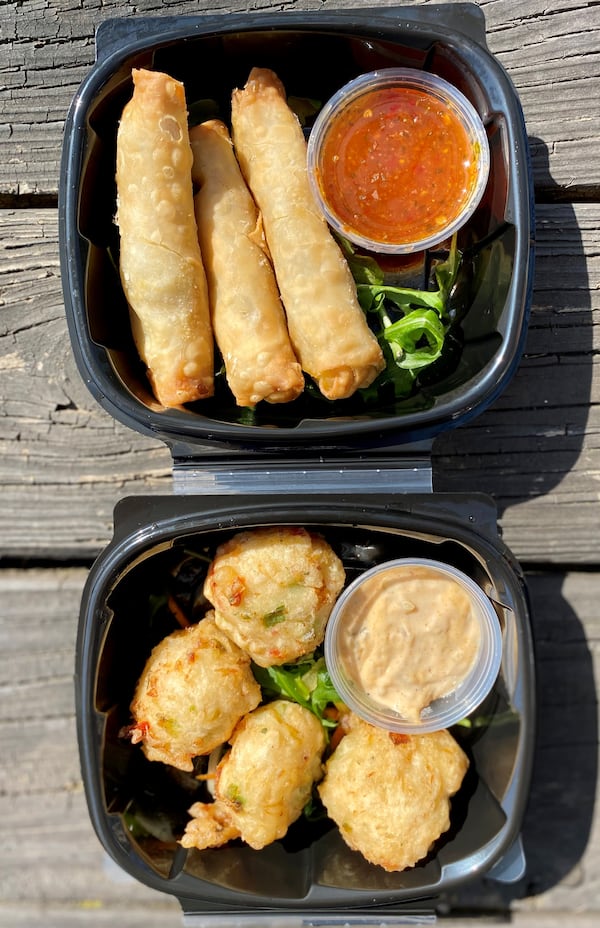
(327, 326)
(390, 794)
(160, 264)
(196, 686)
(264, 782)
(247, 316)
(273, 589)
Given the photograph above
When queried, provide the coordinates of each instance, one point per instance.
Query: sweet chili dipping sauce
(397, 165)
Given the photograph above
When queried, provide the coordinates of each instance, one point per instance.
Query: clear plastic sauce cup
(398, 160)
(413, 645)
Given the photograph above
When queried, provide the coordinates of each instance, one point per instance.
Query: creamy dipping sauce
(410, 637)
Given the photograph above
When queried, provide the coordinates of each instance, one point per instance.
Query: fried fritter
(264, 782)
(196, 686)
(273, 589)
(390, 794)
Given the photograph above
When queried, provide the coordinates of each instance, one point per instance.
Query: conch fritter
(196, 686)
(273, 590)
(264, 782)
(390, 794)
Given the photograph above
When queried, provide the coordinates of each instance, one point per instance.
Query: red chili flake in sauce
(397, 165)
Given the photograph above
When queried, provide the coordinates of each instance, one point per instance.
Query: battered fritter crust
(390, 794)
(264, 782)
(273, 589)
(196, 686)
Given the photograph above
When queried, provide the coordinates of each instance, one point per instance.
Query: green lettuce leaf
(410, 324)
(416, 339)
(306, 682)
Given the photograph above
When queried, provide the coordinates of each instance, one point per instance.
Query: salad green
(305, 681)
(411, 325)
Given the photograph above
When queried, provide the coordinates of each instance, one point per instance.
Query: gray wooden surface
(64, 463)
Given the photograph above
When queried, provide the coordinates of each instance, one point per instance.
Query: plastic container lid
(398, 160)
(343, 632)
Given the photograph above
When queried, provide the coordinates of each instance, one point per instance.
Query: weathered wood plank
(53, 871)
(536, 448)
(567, 642)
(64, 463)
(551, 54)
(146, 914)
(553, 59)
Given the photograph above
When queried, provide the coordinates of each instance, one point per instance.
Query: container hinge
(252, 477)
(349, 920)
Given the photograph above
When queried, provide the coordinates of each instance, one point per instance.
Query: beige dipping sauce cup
(413, 645)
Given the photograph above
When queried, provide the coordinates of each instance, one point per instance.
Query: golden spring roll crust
(327, 326)
(161, 267)
(247, 316)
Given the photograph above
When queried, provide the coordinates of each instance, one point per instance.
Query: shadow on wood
(558, 820)
(530, 439)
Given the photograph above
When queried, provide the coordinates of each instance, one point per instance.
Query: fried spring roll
(247, 316)
(160, 263)
(328, 329)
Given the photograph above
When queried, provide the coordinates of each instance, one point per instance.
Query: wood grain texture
(537, 449)
(64, 462)
(552, 56)
(54, 872)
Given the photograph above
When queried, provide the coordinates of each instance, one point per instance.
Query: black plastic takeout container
(314, 54)
(356, 475)
(139, 807)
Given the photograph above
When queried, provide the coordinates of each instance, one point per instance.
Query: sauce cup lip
(446, 711)
(385, 77)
